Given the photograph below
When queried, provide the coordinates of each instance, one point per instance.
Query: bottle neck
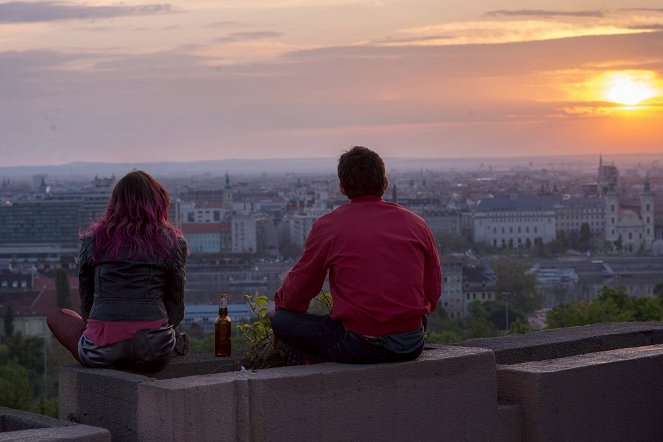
(223, 306)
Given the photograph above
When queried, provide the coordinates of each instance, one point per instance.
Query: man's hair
(361, 172)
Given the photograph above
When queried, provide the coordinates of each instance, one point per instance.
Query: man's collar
(367, 199)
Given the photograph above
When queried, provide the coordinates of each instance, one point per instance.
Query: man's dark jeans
(328, 340)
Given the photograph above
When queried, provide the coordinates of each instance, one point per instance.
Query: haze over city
(203, 80)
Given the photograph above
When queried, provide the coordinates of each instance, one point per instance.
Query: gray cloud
(248, 36)
(20, 12)
(543, 13)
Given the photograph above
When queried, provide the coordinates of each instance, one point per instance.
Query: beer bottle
(222, 328)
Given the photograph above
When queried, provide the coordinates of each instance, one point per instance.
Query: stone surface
(509, 423)
(109, 398)
(16, 425)
(571, 388)
(563, 342)
(605, 396)
(447, 394)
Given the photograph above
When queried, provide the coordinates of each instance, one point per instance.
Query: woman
(131, 282)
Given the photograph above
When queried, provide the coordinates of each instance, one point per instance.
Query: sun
(630, 88)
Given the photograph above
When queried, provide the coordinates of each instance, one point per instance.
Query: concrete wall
(600, 382)
(16, 425)
(606, 396)
(447, 394)
(563, 342)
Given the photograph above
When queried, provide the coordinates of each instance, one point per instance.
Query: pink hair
(136, 218)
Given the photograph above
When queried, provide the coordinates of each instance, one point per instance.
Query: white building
(243, 234)
(573, 212)
(631, 228)
(299, 226)
(253, 233)
(189, 213)
(515, 220)
(204, 237)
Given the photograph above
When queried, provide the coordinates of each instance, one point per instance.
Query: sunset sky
(137, 81)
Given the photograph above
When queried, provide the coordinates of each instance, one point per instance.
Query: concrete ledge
(16, 425)
(564, 342)
(509, 423)
(447, 394)
(605, 396)
(109, 398)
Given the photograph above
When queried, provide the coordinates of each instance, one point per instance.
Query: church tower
(227, 194)
(647, 214)
(611, 214)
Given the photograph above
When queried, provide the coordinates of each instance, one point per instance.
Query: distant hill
(322, 165)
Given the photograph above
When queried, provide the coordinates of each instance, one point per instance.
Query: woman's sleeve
(86, 277)
(174, 299)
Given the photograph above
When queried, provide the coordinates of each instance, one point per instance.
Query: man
(384, 275)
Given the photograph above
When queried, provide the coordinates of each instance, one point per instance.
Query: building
(452, 285)
(631, 228)
(479, 284)
(299, 226)
(608, 177)
(254, 233)
(515, 221)
(210, 237)
(465, 280)
(53, 218)
(443, 220)
(573, 212)
(212, 213)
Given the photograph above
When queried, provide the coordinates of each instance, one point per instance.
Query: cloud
(171, 105)
(429, 38)
(649, 27)
(641, 9)
(248, 36)
(509, 31)
(223, 24)
(48, 11)
(543, 13)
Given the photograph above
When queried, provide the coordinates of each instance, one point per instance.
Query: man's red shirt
(384, 270)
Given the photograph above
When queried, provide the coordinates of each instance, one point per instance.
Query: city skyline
(189, 81)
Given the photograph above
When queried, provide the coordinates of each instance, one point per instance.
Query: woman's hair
(361, 172)
(136, 219)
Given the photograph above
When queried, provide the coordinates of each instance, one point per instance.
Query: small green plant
(322, 304)
(259, 336)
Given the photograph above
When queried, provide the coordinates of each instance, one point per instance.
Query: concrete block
(605, 396)
(109, 398)
(447, 394)
(509, 423)
(563, 342)
(101, 398)
(17, 425)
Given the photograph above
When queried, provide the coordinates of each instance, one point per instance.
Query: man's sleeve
(432, 274)
(86, 277)
(305, 279)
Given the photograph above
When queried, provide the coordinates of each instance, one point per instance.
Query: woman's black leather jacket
(136, 288)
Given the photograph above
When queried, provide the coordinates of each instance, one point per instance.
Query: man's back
(384, 275)
(384, 271)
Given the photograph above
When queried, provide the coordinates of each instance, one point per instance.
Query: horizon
(280, 166)
(204, 81)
